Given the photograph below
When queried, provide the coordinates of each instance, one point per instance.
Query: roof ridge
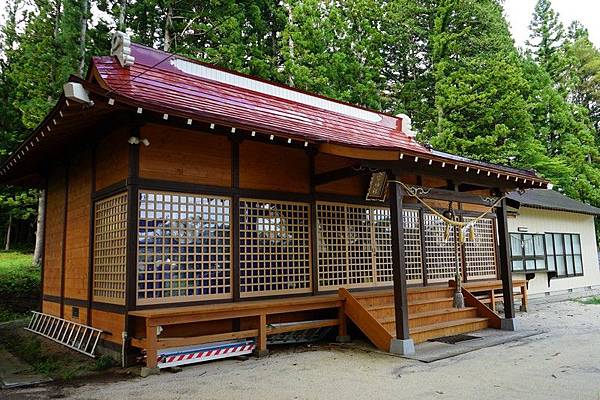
(282, 86)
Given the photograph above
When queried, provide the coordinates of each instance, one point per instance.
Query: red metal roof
(167, 83)
(154, 79)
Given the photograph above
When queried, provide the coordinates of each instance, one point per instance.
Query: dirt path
(561, 364)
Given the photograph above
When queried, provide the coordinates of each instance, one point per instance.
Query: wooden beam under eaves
(450, 195)
(460, 176)
(337, 174)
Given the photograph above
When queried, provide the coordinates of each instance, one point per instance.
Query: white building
(553, 244)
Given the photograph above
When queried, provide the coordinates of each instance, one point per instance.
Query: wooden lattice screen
(441, 254)
(110, 245)
(412, 247)
(184, 247)
(274, 248)
(355, 248)
(480, 254)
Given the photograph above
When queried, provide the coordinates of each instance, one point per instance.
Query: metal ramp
(79, 337)
(211, 351)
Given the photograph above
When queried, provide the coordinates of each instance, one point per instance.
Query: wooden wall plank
(111, 323)
(112, 159)
(271, 167)
(51, 308)
(354, 186)
(185, 156)
(53, 243)
(81, 319)
(78, 230)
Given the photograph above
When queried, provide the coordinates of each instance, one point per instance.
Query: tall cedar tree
(546, 36)
(450, 64)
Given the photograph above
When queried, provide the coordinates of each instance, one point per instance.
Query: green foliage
(450, 64)
(104, 362)
(590, 300)
(19, 285)
(546, 36)
(45, 356)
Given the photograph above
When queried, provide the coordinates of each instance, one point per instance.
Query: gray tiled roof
(552, 200)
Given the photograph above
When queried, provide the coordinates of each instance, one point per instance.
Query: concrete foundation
(343, 339)
(404, 347)
(261, 353)
(509, 324)
(145, 371)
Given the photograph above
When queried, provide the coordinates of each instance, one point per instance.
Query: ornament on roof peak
(407, 125)
(121, 48)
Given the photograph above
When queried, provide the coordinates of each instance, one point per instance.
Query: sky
(518, 13)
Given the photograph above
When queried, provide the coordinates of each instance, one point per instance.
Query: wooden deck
(430, 310)
(490, 291)
(257, 312)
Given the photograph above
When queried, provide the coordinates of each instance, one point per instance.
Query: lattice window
(332, 251)
(184, 247)
(441, 254)
(412, 247)
(355, 246)
(110, 246)
(274, 248)
(480, 254)
(360, 246)
(383, 244)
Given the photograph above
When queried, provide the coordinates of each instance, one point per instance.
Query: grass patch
(49, 358)
(19, 285)
(590, 300)
(14, 261)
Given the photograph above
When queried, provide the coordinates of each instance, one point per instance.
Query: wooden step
(448, 328)
(430, 292)
(438, 316)
(431, 317)
(373, 298)
(417, 306)
(382, 311)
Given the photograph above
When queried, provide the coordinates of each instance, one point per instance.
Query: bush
(104, 362)
(19, 285)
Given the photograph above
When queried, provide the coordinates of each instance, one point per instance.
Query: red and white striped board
(214, 351)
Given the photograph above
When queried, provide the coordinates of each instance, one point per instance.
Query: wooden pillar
(132, 185)
(64, 239)
(91, 236)
(151, 345)
(43, 261)
(235, 223)
(314, 224)
(261, 346)
(505, 270)
(398, 261)
(132, 222)
(524, 301)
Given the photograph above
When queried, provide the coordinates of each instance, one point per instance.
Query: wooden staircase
(430, 314)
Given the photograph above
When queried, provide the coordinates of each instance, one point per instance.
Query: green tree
(480, 103)
(335, 48)
(583, 73)
(545, 39)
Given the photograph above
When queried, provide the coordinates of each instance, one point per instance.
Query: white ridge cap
(214, 74)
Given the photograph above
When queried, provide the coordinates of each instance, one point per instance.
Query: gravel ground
(563, 363)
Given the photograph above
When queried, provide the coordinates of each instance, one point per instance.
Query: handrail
(376, 333)
(494, 320)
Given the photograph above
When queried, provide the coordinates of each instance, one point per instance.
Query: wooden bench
(487, 291)
(260, 309)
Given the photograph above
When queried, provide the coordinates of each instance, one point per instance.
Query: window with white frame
(528, 252)
(564, 254)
